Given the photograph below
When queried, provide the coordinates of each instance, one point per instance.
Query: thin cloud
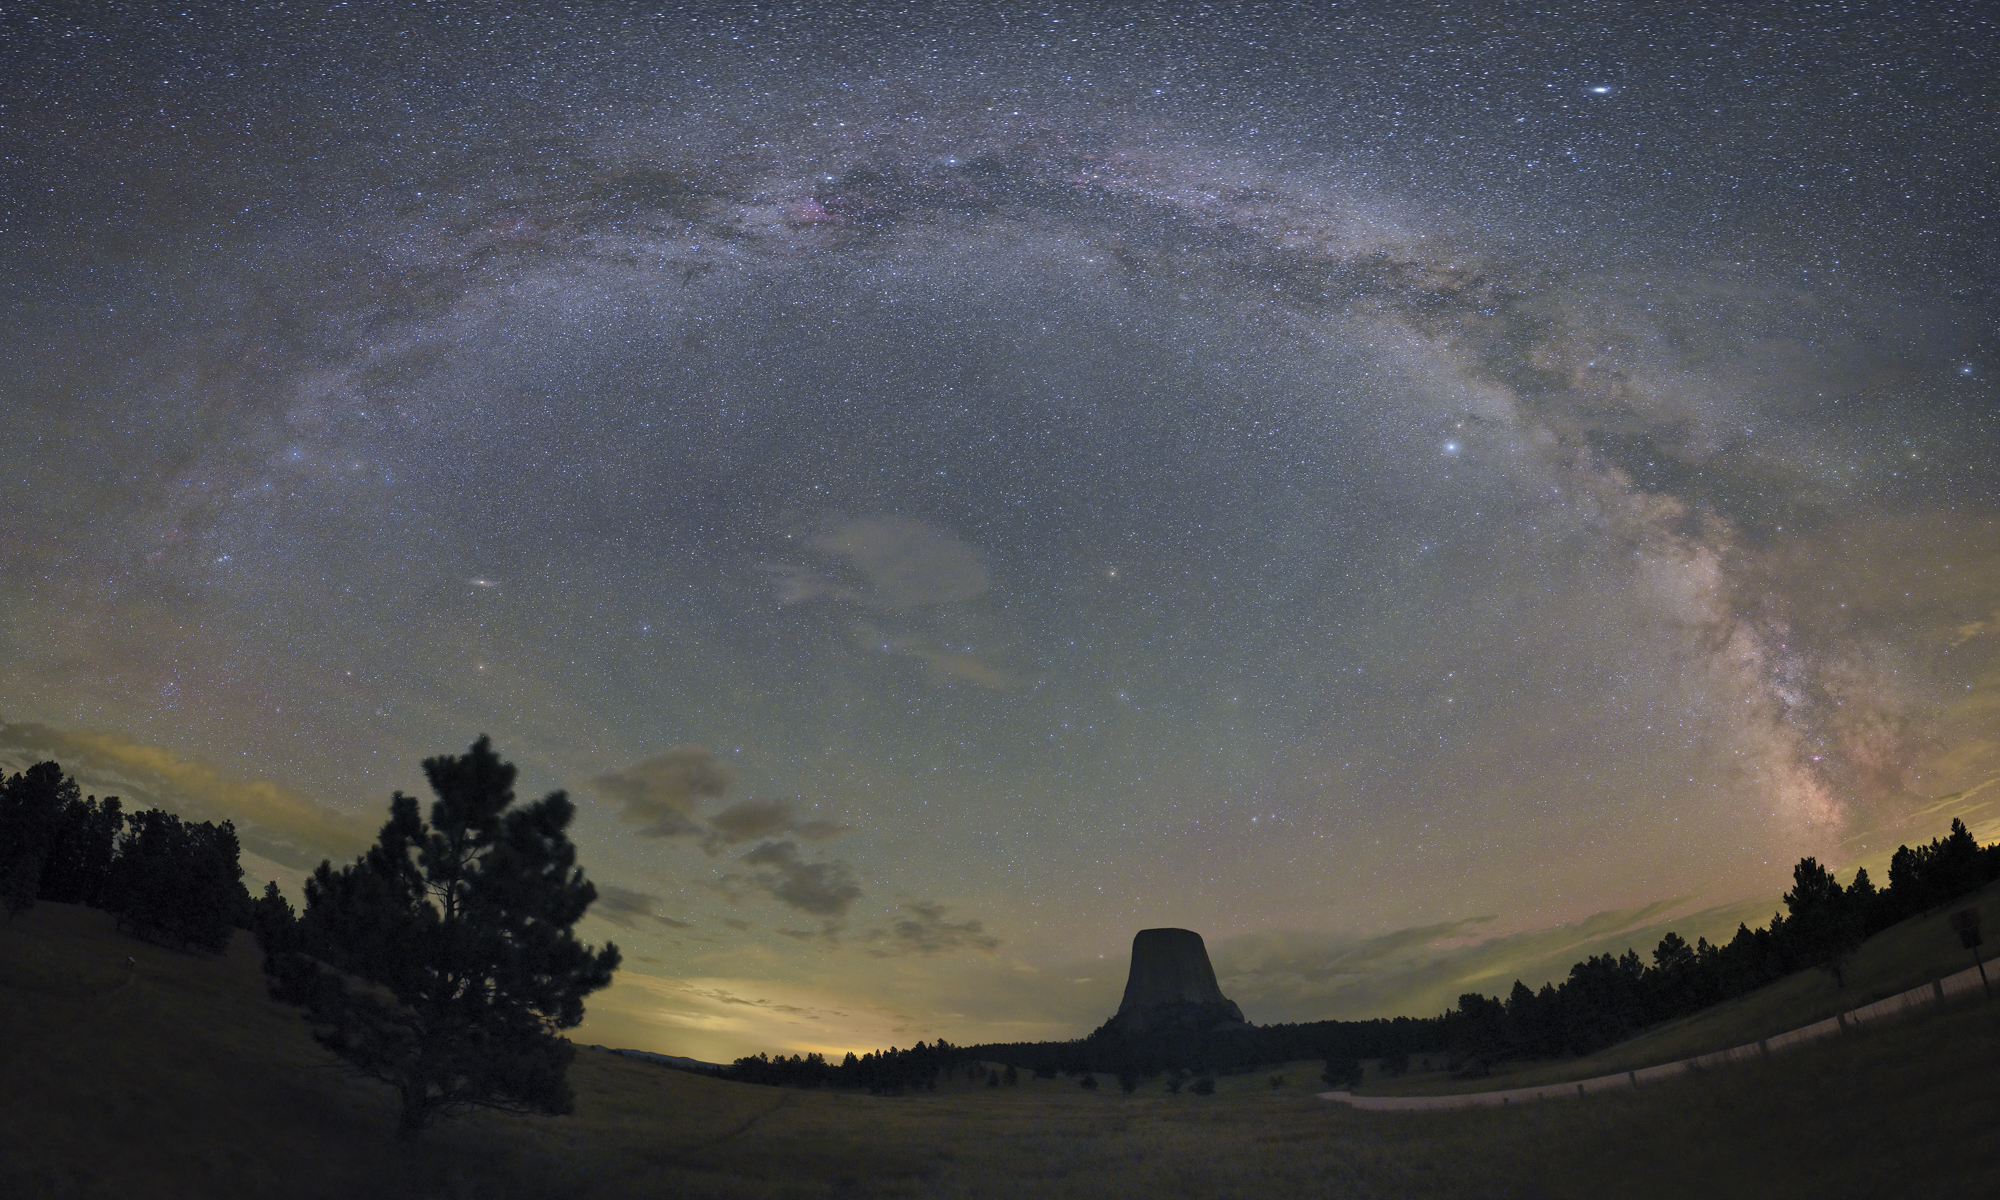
(824, 889)
(829, 932)
(663, 796)
(625, 907)
(897, 563)
(660, 794)
(748, 820)
(925, 931)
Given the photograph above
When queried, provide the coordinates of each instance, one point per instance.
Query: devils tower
(1172, 986)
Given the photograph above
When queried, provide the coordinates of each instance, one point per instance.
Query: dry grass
(190, 1082)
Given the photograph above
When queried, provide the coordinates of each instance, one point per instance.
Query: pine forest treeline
(168, 880)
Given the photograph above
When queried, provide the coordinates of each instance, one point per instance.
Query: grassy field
(1901, 957)
(182, 1079)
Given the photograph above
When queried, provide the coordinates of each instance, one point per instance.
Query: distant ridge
(667, 1060)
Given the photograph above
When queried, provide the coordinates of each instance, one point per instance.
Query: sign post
(1966, 922)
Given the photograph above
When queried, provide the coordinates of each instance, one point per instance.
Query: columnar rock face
(1172, 986)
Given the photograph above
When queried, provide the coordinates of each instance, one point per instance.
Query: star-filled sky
(1413, 492)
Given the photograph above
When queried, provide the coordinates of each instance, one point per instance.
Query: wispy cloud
(664, 796)
(627, 908)
(747, 820)
(924, 930)
(824, 889)
(660, 794)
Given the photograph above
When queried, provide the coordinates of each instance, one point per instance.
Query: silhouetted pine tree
(460, 931)
(1823, 930)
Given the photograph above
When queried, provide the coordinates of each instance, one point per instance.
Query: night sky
(1412, 492)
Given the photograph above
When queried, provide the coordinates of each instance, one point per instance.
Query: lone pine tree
(459, 935)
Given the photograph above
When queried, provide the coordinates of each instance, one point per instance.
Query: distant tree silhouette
(177, 882)
(459, 933)
(1823, 929)
(31, 806)
(1679, 981)
(1866, 903)
(1480, 1032)
(1342, 1070)
(275, 923)
(18, 887)
(77, 865)
(1957, 865)
(1010, 1076)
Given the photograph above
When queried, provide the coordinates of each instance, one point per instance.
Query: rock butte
(1172, 986)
